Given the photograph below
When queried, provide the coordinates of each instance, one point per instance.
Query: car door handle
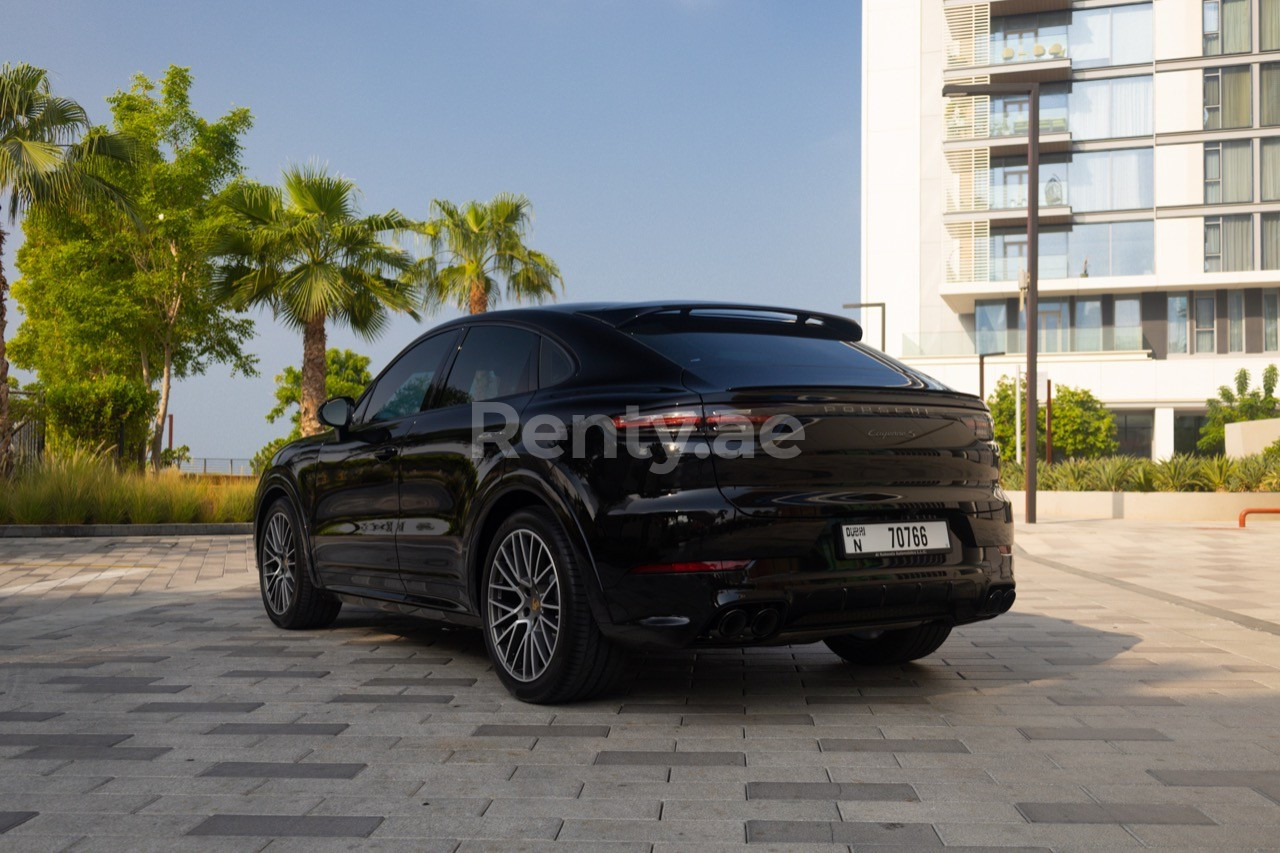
(382, 454)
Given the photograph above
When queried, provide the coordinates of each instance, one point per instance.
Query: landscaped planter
(1146, 506)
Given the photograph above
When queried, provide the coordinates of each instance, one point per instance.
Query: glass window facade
(1122, 179)
(1087, 329)
(1270, 169)
(1084, 250)
(1228, 172)
(1053, 325)
(1113, 108)
(1235, 321)
(991, 322)
(1112, 35)
(1027, 38)
(1135, 431)
(1090, 38)
(1269, 81)
(1128, 323)
(1226, 27)
(1228, 243)
(1228, 97)
(1269, 24)
(1271, 241)
(1204, 324)
(1177, 323)
(1008, 115)
(1271, 320)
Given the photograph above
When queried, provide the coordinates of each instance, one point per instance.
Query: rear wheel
(891, 647)
(290, 599)
(538, 627)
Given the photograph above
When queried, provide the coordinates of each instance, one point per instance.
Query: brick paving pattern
(1129, 701)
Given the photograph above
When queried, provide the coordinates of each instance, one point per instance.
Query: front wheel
(891, 647)
(290, 599)
(538, 626)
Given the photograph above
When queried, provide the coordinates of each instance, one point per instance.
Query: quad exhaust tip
(738, 623)
(765, 622)
(733, 623)
(1000, 600)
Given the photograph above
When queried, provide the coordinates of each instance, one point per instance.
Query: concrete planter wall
(1147, 506)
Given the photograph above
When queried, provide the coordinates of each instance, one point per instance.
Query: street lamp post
(982, 373)
(884, 345)
(1032, 91)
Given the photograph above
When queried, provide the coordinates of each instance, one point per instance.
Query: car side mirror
(337, 414)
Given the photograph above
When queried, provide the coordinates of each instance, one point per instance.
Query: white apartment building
(1159, 194)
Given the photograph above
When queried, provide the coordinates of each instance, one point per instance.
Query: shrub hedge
(83, 487)
(1181, 473)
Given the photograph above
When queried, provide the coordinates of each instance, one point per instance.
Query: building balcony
(1036, 70)
(1053, 338)
(1008, 217)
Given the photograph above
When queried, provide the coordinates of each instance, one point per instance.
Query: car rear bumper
(797, 587)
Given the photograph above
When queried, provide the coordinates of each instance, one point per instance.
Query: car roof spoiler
(722, 314)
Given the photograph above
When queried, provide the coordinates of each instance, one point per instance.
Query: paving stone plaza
(1131, 699)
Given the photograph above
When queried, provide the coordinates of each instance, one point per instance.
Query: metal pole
(1048, 421)
(982, 376)
(171, 431)
(1033, 281)
(1017, 416)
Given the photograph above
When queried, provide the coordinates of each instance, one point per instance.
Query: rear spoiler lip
(835, 326)
(816, 396)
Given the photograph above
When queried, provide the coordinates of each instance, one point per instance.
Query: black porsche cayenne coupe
(581, 480)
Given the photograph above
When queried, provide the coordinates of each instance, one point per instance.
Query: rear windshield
(737, 359)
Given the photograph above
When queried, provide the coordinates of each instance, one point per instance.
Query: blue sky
(671, 148)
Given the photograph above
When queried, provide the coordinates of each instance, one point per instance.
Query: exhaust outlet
(995, 599)
(733, 623)
(765, 622)
(1007, 603)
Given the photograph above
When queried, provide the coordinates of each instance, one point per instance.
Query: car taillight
(981, 426)
(692, 566)
(721, 418)
(669, 420)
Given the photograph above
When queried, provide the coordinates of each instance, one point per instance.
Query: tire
(538, 628)
(291, 600)
(891, 647)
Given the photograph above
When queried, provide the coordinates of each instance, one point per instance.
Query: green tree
(48, 158)
(309, 255)
(1082, 426)
(1241, 404)
(479, 248)
(346, 375)
(101, 298)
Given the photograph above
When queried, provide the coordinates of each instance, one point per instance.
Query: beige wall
(1181, 174)
(893, 33)
(1250, 437)
(1179, 249)
(1179, 101)
(1177, 28)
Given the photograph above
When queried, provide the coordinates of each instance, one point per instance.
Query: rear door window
(555, 365)
(494, 362)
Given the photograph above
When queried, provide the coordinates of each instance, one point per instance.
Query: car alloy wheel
(523, 600)
(279, 563)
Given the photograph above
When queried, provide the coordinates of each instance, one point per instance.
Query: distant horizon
(695, 149)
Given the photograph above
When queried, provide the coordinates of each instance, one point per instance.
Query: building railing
(1010, 341)
(217, 465)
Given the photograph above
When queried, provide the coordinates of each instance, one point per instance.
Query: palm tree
(48, 156)
(480, 245)
(308, 254)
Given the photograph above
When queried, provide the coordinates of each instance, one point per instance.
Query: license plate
(905, 537)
